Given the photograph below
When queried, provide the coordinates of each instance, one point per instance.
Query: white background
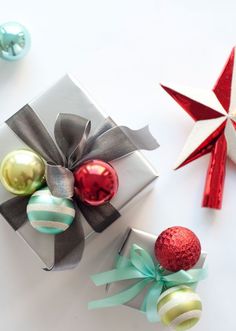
(120, 51)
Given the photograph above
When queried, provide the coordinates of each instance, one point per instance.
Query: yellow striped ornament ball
(179, 307)
(49, 214)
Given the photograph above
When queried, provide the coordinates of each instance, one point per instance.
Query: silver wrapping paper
(67, 97)
(146, 241)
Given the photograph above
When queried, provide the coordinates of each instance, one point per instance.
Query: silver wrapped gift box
(66, 96)
(146, 241)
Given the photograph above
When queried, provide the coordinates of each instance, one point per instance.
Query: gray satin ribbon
(74, 145)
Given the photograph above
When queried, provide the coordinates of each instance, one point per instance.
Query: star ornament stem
(214, 131)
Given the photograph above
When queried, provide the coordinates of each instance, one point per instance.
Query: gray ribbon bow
(74, 145)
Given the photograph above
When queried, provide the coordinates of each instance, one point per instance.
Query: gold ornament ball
(22, 172)
(179, 308)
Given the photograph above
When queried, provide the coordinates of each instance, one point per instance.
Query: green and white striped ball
(49, 214)
(179, 307)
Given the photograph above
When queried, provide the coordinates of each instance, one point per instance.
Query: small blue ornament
(14, 41)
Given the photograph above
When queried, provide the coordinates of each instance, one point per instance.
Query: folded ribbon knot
(75, 143)
(159, 277)
(141, 267)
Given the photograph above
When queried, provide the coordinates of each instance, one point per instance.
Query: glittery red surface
(177, 248)
(96, 182)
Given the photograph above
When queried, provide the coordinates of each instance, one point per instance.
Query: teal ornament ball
(49, 214)
(14, 41)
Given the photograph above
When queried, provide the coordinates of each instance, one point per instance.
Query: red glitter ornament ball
(177, 248)
(96, 182)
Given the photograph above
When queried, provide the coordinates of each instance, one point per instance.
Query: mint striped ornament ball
(179, 307)
(49, 214)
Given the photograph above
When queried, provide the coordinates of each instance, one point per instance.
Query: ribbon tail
(149, 305)
(14, 211)
(121, 141)
(30, 129)
(99, 217)
(120, 298)
(68, 246)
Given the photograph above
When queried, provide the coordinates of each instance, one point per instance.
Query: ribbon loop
(142, 261)
(120, 298)
(71, 133)
(120, 141)
(107, 124)
(30, 129)
(117, 275)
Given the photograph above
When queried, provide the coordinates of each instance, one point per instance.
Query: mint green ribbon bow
(140, 266)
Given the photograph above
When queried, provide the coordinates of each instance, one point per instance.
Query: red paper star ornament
(214, 113)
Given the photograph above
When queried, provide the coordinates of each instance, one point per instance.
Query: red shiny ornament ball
(177, 248)
(96, 182)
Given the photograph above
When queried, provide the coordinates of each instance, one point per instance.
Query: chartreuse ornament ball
(14, 41)
(22, 172)
(179, 308)
(49, 214)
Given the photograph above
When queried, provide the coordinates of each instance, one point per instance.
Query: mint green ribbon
(140, 266)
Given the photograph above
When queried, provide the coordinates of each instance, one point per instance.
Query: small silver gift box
(146, 241)
(67, 97)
